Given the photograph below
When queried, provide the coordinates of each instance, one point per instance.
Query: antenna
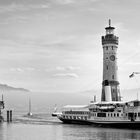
(137, 96)
(2, 97)
(29, 104)
(109, 22)
(94, 98)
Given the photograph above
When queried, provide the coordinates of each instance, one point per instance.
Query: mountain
(10, 88)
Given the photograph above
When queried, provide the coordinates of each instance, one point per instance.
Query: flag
(132, 75)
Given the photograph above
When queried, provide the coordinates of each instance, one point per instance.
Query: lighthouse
(110, 84)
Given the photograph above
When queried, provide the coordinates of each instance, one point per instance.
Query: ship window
(112, 47)
(111, 114)
(136, 103)
(101, 115)
(106, 47)
(139, 114)
(117, 114)
(114, 115)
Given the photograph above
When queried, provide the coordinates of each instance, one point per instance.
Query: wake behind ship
(111, 111)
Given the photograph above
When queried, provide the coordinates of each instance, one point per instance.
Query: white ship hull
(123, 115)
(116, 124)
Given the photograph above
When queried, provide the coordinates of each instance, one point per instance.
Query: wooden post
(8, 115)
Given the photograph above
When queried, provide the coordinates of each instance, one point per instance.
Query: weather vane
(109, 22)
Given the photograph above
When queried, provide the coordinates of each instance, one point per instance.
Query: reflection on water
(44, 127)
(97, 133)
(1, 131)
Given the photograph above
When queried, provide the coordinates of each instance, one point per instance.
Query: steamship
(111, 110)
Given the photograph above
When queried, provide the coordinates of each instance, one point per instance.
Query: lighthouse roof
(109, 28)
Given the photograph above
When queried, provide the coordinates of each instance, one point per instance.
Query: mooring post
(8, 116)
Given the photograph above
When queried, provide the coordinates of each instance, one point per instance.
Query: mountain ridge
(10, 88)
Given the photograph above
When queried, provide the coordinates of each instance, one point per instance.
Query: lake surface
(41, 126)
(44, 127)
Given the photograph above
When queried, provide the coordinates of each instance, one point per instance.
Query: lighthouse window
(112, 76)
(107, 67)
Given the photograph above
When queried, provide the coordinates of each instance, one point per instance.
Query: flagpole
(131, 76)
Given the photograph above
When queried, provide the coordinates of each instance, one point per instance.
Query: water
(41, 126)
(44, 127)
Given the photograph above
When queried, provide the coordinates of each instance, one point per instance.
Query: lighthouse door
(131, 116)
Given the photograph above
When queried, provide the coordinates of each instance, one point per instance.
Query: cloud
(59, 68)
(74, 1)
(16, 70)
(72, 68)
(65, 1)
(22, 69)
(68, 75)
(68, 68)
(21, 7)
(133, 63)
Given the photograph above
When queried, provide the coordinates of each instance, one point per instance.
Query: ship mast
(29, 113)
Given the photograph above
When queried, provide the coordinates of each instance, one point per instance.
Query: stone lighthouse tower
(110, 84)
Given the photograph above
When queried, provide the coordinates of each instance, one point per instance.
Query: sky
(55, 45)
